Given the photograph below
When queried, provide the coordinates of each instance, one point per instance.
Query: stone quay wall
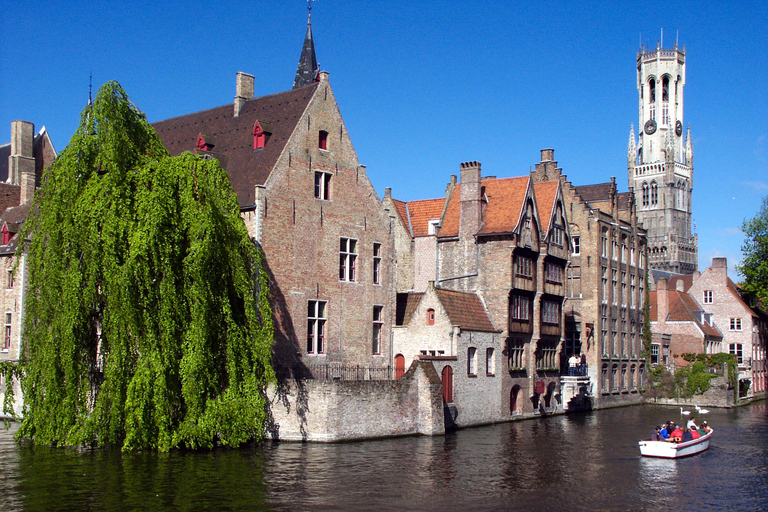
(334, 410)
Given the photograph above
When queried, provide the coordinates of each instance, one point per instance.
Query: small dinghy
(670, 450)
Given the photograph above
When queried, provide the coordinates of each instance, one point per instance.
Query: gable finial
(307, 71)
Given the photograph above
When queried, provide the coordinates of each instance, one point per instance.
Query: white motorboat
(670, 450)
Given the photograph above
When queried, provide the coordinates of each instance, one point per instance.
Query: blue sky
(425, 85)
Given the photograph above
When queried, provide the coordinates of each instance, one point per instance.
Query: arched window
(665, 88)
(514, 403)
(430, 316)
(665, 101)
(645, 194)
(652, 97)
(654, 193)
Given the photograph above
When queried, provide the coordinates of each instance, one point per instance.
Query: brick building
(306, 199)
(22, 162)
(604, 286)
(717, 302)
(507, 242)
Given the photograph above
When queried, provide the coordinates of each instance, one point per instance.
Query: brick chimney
(720, 269)
(469, 216)
(243, 90)
(21, 162)
(662, 300)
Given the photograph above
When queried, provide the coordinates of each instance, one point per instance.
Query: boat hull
(668, 450)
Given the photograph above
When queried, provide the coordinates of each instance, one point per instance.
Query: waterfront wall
(328, 410)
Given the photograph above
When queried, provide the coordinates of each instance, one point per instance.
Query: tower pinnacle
(307, 70)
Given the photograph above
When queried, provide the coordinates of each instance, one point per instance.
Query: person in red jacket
(676, 435)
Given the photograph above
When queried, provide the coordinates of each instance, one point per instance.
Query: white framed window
(615, 247)
(472, 361)
(376, 263)
(347, 259)
(615, 283)
(378, 324)
(605, 285)
(735, 324)
(708, 294)
(432, 228)
(323, 185)
(604, 244)
(490, 361)
(516, 354)
(736, 349)
(316, 326)
(576, 245)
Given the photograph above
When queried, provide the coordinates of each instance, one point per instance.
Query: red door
(448, 384)
(399, 366)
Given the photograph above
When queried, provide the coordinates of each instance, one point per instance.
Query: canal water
(575, 462)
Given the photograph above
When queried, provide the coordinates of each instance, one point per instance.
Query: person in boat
(676, 435)
(687, 436)
(665, 430)
(695, 433)
(704, 429)
(691, 425)
(656, 436)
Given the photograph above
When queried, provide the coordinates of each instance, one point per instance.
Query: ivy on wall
(147, 320)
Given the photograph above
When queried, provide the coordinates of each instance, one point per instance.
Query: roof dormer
(261, 133)
(205, 142)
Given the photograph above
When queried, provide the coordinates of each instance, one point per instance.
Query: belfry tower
(660, 161)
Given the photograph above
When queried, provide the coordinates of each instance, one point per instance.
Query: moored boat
(671, 450)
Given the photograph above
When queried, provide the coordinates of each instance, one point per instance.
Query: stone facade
(605, 286)
(660, 162)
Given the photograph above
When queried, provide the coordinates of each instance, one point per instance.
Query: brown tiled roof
(421, 212)
(502, 212)
(465, 310)
(681, 309)
(546, 192)
(410, 306)
(402, 212)
(234, 135)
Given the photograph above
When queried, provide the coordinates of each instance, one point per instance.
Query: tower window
(654, 193)
(652, 91)
(646, 194)
(665, 89)
(322, 142)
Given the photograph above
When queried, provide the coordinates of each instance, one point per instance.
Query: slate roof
(681, 309)
(465, 310)
(502, 212)
(599, 196)
(246, 167)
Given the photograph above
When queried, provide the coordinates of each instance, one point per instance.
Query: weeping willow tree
(147, 318)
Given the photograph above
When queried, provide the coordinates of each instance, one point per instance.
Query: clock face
(650, 127)
(679, 128)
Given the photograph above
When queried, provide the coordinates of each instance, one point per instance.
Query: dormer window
(7, 235)
(322, 140)
(261, 133)
(205, 142)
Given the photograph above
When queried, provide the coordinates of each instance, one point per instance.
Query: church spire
(307, 70)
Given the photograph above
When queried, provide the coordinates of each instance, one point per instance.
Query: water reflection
(582, 462)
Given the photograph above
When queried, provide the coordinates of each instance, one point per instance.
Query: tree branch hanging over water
(147, 319)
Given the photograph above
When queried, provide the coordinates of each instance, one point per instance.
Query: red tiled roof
(421, 212)
(465, 310)
(234, 135)
(681, 309)
(502, 212)
(546, 192)
(402, 212)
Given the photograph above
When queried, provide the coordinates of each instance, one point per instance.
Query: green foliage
(147, 323)
(647, 336)
(754, 266)
(693, 379)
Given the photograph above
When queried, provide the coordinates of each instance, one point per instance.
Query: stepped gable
(546, 194)
(465, 310)
(505, 197)
(246, 167)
